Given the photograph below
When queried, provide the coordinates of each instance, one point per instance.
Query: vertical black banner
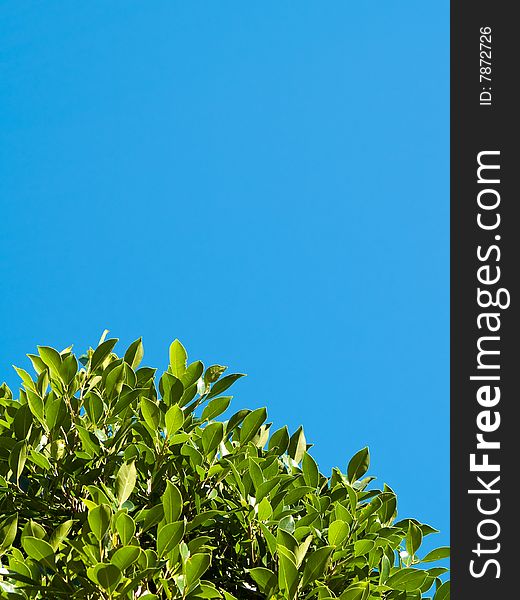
(485, 253)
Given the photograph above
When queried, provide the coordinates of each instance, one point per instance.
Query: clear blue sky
(268, 182)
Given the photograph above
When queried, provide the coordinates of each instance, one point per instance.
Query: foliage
(113, 487)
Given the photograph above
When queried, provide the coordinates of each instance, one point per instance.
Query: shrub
(114, 487)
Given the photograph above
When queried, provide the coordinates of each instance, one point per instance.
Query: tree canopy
(118, 484)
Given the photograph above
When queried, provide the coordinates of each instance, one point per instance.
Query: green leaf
(99, 520)
(255, 472)
(125, 527)
(179, 438)
(287, 524)
(39, 550)
(264, 578)
(192, 374)
(8, 532)
(264, 510)
(174, 419)
(51, 358)
(213, 373)
(172, 503)
(216, 407)
(384, 569)
(178, 359)
(134, 354)
(37, 363)
(55, 411)
(223, 384)
(310, 470)
(362, 547)
(17, 459)
(115, 380)
(169, 536)
(280, 440)
(287, 575)
(125, 482)
(407, 580)
(443, 593)
(437, 554)
(36, 405)
(126, 556)
(94, 407)
(316, 564)
(33, 529)
(195, 567)
(297, 445)
(285, 539)
(252, 424)
(173, 390)
(40, 460)
(60, 534)
(338, 532)
(26, 378)
(101, 353)
(68, 369)
(212, 435)
(358, 465)
(105, 575)
(301, 551)
(23, 421)
(357, 591)
(437, 571)
(89, 441)
(151, 413)
(413, 539)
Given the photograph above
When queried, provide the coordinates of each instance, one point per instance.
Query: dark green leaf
(101, 353)
(358, 465)
(17, 459)
(407, 580)
(60, 534)
(413, 539)
(265, 579)
(216, 407)
(8, 532)
(172, 503)
(174, 419)
(134, 354)
(151, 413)
(310, 471)
(437, 554)
(223, 384)
(252, 424)
(195, 567)
(280, 440)
(443, 593)
(212, 435)
(297, 445)
(316, 564)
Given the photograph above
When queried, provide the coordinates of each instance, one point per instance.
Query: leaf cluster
(118, 484)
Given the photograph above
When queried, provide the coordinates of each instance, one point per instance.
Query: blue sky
(268, 182)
